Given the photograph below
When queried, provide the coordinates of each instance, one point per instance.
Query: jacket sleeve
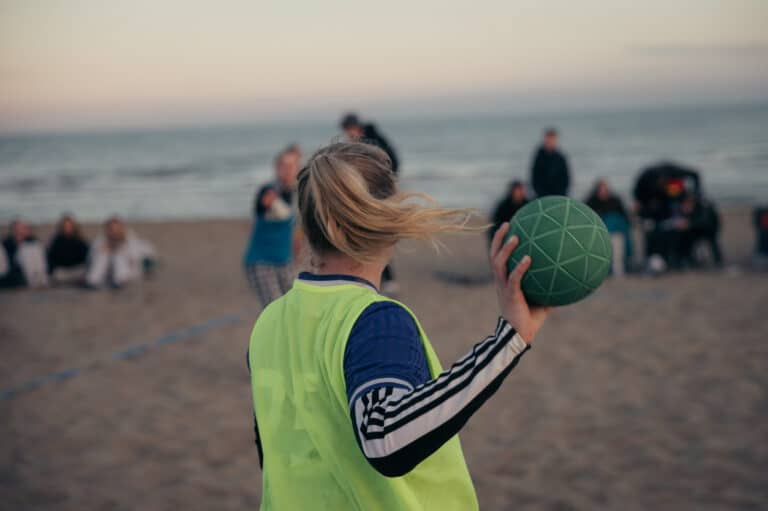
(397, 426)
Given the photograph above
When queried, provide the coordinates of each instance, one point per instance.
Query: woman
(610, 208)
(352, 407)
(118, 256)
(23, 261)
(272, 244)
(67, 252)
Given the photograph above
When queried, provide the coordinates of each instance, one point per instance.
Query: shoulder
(384, 347)
(391, 316)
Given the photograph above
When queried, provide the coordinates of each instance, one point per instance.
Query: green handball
(570, 250)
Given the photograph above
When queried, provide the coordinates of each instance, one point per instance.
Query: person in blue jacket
(269, 255)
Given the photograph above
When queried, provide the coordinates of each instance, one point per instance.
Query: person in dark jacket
(549, 172)
(702, 224)
(67, 251)
(508, 206)
(358, 131)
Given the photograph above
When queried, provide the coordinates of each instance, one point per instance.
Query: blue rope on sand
(130, 353)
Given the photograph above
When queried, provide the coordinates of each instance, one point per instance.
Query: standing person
(508, 206)
(67, 252)
(549, 172)
(297, 156)
(23, 257)
(353, 409)
(611, 210)
(118, 256)
(367, 133)
(269, 255)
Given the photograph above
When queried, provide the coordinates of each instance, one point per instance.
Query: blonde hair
(349, 203)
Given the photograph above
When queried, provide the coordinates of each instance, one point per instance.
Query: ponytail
(349, 203)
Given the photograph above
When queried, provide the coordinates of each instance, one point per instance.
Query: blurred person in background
(658, 193)
(611, 210)
(67, 253)
(760, 258)
(273, 243)
(507, 207)
(23, 261)
(549, 171)
(118, 256)
(702, 225)
(357, 131)
(295, 153)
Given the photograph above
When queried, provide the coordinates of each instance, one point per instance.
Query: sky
(73, 64)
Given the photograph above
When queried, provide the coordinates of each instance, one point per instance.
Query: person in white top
(22, 263)
(118, 256)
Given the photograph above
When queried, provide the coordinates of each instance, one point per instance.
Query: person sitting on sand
(67, 253)
(760, 221)
(702, 225)
(508, 206)
(352, 408)
(118, 256)
(611, 210)
(23, 258)
(272, 245)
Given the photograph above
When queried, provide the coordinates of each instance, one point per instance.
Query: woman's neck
(344, 265)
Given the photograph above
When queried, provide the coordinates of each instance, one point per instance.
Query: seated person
(67, 252)
(703, 224)
(659, 193)
(23, 259)
(611, 210)
(760, 259)
(508, 206)
(118, 256)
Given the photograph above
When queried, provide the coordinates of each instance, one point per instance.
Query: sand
(651, 394)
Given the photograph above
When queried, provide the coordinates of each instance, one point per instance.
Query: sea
(206, 172)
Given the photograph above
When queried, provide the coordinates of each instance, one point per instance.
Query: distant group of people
(673, 225)
(113, 259)
(675, 216)
(275, 243)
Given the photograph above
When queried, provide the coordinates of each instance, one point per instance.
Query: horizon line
(316, 117)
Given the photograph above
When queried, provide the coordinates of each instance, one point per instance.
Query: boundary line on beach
(129, 353)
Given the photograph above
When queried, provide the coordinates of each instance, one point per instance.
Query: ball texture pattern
(570, 250)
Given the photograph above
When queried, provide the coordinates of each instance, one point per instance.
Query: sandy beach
(651, 394)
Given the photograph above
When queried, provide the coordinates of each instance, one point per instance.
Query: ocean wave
(64, 182)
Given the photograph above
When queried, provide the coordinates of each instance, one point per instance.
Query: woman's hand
(525, 319)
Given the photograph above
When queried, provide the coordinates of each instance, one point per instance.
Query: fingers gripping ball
(569, 246)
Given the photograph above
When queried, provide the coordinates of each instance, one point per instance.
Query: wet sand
(651, 394)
